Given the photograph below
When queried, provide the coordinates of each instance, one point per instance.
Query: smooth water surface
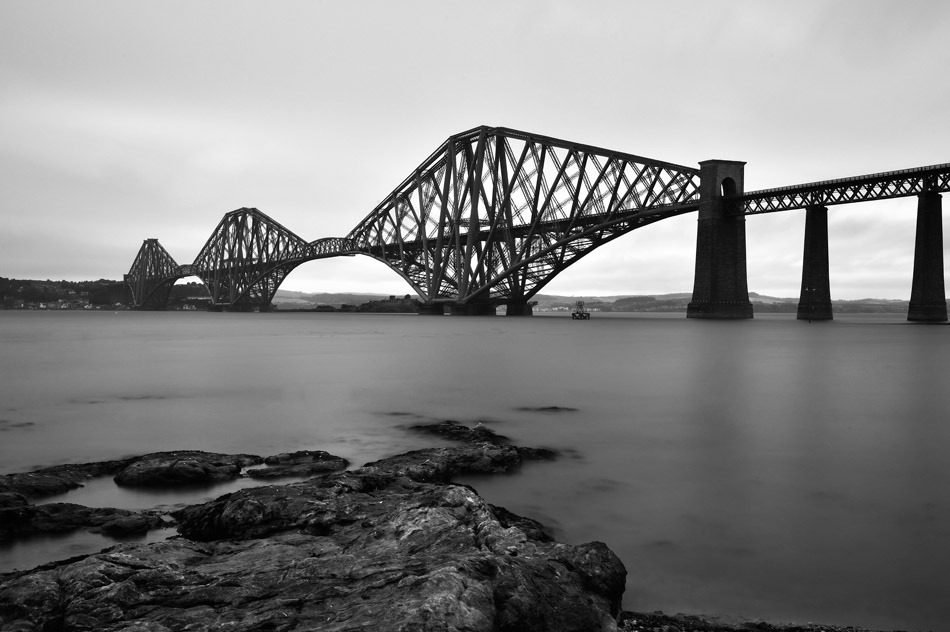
(765, 469)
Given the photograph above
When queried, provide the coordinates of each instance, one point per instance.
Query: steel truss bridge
(493, 214)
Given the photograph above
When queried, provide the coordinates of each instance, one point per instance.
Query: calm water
(764, 469)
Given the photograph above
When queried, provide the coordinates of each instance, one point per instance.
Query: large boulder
(58, 479)
(20, 520)
(301, 463)
(454, 431)
(183, 467)
(16, 514)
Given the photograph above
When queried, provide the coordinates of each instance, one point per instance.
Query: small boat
(580, 312)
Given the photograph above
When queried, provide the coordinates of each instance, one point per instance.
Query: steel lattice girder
(247, 257)
(152, 275)
(878, 186)
(330, 247)
(495, 213)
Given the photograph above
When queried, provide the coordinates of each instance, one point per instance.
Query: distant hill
(303, 300)
(24, 294)
(677, 302)
(674, 302)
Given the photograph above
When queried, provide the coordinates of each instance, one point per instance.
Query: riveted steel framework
(878, 186)
(330, 247)
(248, 256)
(490, 217)
(494, 214)
(152, 275)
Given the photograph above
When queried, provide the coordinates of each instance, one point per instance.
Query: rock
(532, 528)
(340, 553)
(483, 451)
(64, 517)
(302, 463)
(184, 467)
(32, 602)
(537, 454)
(154, 469)
(455, 431)
(58, 479)
(441, 464)
(132, 524)
(660, 622)
(16, 512)
(389, 546)
(20, 519)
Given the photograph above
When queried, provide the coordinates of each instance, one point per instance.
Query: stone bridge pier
(814, 302)
(928, 300)
(720, 287)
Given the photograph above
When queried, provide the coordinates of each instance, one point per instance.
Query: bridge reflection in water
(494, 214)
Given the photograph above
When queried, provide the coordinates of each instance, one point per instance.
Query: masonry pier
(928, 300)
(432, 309)
(720, 287)
(814, 302)
(520, 309)
(473, 308)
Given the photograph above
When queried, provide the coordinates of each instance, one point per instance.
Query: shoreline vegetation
(391, 545)
(110, 294)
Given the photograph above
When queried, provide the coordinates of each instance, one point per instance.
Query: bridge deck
(875, 186)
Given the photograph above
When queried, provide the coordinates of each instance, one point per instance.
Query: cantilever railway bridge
(494, 214)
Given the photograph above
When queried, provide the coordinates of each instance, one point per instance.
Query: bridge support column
(432, 309)
(720, 287)
(928, 301)
(814, 302)
(520, 309)
(475, 308)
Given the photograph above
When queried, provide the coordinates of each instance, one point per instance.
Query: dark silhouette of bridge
(493, 214)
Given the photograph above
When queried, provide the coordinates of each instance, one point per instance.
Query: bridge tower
(720, 286)
(152, 275)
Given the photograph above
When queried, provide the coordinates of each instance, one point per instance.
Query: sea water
(769, 468)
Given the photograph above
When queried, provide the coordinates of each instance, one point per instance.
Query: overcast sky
(125, 120)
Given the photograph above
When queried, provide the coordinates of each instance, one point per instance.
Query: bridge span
(493, 214)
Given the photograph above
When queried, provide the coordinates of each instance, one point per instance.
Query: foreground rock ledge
(390, 546)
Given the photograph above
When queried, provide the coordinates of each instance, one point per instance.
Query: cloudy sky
(124, 120)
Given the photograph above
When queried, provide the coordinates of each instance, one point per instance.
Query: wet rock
(455, 431)
(154, 469)
(389, 546)
(65, 517)
(16, 513)
(480, 434)
(340, 553)
(537, 454)
(441, 464)
(482, 452)
(184, 467)
(133, 524)
(532, 528)
(660, 622)
(302, 463)
(49, 481)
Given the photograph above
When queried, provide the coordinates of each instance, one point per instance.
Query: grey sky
(126, 120)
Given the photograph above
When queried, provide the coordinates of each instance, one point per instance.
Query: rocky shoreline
(392, 545)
